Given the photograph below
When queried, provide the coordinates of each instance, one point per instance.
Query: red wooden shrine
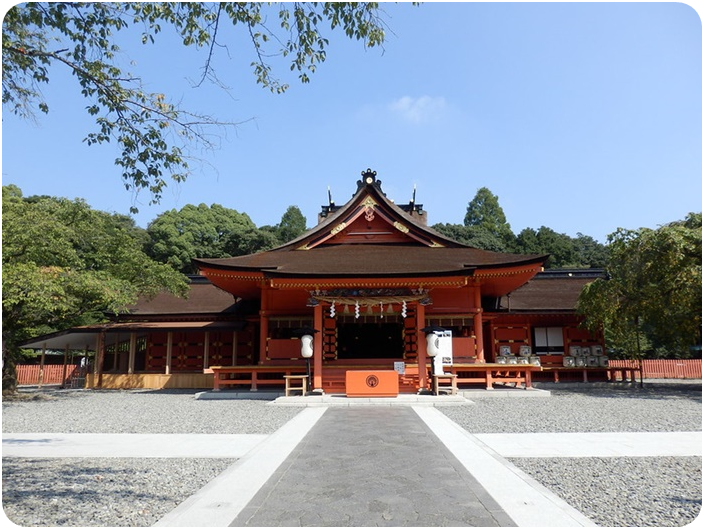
(368, 278)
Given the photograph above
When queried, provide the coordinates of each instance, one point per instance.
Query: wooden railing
(33, 374)
(665, 368)
(488, 374)
(252, 376)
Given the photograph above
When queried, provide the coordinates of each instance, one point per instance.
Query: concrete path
(595, 444)
(606, 444)
(128, 445)
(223, 498)
(371, 466)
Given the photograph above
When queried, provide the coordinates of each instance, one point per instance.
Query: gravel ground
(139, 411)
(657, 407)
(80, 492)
(624, 491)
(617, 492)
(119, 492)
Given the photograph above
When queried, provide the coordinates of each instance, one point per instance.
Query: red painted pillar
(478, 324)
(318, 347)
(421, 345)
(263, 326)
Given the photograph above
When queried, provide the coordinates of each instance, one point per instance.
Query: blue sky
(580, 117)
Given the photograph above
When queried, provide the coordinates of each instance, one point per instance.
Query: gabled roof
(369, 206)
(370, 237)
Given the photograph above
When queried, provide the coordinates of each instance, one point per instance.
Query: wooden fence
(667, 368)
(30, 374)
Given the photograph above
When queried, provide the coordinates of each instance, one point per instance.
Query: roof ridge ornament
(369, 179)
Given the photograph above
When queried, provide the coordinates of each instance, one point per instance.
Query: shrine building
(368, 283)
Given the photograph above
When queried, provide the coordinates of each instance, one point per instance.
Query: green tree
(485, 212)
(292, 224)
(652, 298)
(565, 251)
(547, 241)
(475, 236)
(65, 264)
(153, 135)
(177, 237)
(588, 252)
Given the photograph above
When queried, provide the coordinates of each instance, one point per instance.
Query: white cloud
(418, 109)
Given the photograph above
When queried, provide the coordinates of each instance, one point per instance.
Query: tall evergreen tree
(484, 212)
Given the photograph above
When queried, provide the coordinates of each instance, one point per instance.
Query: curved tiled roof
(371, 260)
(417, 249)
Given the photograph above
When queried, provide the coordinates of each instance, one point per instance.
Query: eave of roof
(371, 260)
(82, 338)
(551, 291)
(203, 299)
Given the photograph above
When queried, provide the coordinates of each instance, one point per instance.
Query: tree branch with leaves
(652, 296)
(155, 136)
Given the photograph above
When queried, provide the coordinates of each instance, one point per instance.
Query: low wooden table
(291, 379)
(439, 382)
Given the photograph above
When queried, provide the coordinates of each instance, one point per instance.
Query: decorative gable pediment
(370, 218)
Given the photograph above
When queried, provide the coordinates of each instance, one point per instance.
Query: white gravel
(118, 492)
(72, 492)
(615, 492)
(598, 407)
(624, 491)
(139, 411)
(121, 492)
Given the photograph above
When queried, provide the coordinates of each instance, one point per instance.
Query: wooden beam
(99, 359)
(132, 353)
(478, 324)
(206, 349)
(63, 372)
(169, 351)
(41, 366)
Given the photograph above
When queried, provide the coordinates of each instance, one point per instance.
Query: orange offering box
(371, 383)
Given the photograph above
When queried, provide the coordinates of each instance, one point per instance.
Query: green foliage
(65, 264)
(565, 251)
(485, 227)
(292, 225)
(154, 135)
(652, 299)
(485, 212)
(588, 252)
(177, 237)
(475, 236)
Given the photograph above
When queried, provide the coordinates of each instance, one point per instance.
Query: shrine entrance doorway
(369, 340)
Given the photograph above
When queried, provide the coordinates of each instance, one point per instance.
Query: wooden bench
(489, 373)
(252, 376)
(554, 364)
